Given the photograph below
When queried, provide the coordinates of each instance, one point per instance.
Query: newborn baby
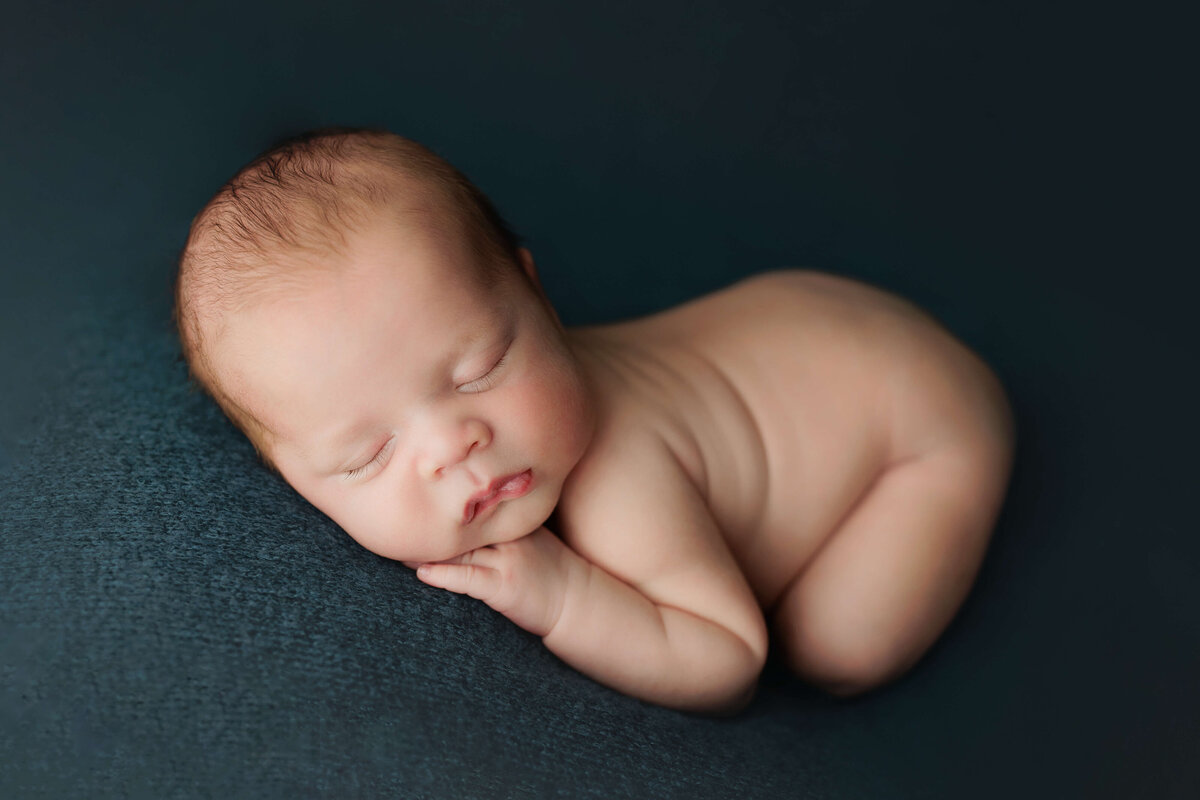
(644, 496)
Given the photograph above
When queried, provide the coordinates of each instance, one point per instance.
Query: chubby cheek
(404, 523)
(554, 415)
(376, 519)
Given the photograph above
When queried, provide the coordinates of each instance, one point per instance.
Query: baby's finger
(483, 556)
(469, 579)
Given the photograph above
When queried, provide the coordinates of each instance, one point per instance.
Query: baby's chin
(413, 560)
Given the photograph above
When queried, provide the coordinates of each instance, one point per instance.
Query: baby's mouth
(501, 489)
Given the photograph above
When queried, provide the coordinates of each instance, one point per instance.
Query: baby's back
(785, 396)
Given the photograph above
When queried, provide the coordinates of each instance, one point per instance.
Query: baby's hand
(525, 580)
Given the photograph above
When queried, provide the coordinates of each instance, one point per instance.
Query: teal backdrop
(1024, 171)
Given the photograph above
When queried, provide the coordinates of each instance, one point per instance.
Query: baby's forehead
(271, 352)
(451, 299)
(422, 271)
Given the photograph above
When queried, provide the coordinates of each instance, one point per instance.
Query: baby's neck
(552, 521)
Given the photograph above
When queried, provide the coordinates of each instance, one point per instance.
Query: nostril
(428, 471)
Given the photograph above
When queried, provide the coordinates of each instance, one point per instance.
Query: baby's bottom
(887, 582)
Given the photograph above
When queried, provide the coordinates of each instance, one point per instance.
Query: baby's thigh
(891, 577)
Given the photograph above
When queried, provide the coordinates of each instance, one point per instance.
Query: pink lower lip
(513, 486)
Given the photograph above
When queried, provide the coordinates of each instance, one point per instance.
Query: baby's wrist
(574, 579)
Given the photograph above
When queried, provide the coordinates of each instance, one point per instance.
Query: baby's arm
(649, 601)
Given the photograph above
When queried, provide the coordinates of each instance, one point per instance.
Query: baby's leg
(889, 579)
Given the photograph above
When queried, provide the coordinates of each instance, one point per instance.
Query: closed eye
(487, 380)
(379, 457)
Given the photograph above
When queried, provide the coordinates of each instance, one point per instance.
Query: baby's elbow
(731, 689)
(736, 702)
(752, 658)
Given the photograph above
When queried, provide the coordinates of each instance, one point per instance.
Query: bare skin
(852, 455)
(798, 448)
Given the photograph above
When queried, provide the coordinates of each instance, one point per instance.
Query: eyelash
(380, 456)
(487, 379)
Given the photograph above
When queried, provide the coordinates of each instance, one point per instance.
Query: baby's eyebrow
(464, 344)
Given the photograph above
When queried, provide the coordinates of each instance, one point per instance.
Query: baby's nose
(450, 446)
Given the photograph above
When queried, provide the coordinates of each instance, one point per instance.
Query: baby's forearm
(613, 633)
(605, 628)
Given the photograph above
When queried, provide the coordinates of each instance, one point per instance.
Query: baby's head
(359, 310)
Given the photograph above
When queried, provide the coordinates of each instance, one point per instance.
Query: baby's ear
(526, 259)
(530, 269)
